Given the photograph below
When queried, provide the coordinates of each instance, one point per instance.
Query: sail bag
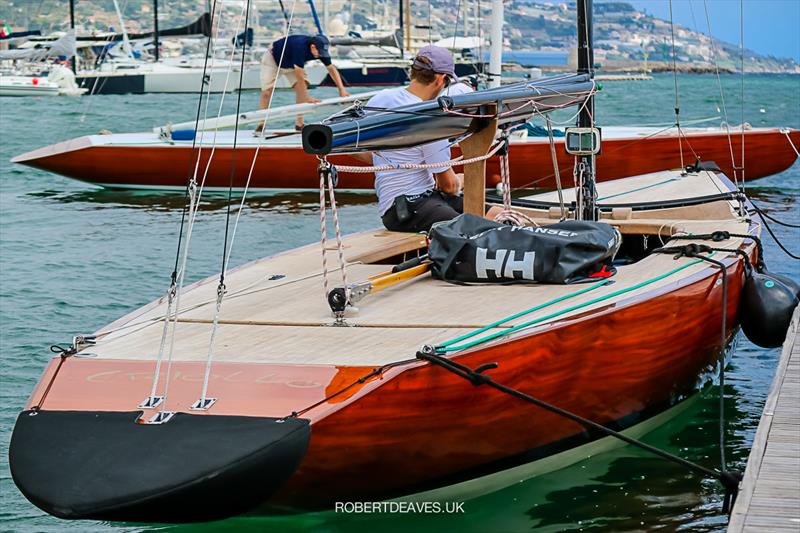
(473, 249)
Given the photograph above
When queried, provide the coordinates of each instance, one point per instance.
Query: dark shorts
(423, 210)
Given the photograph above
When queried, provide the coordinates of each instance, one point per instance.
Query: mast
(155, 25)
(400, 4)
(72, 26)
(126, 44)
(316, 17)
(408, 25)
(496, 51)
(586, 192)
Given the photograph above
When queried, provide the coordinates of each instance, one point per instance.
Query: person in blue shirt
(286, 57)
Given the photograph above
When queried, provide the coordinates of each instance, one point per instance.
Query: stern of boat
(112, 466)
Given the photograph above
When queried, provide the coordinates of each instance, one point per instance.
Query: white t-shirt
(390, 184)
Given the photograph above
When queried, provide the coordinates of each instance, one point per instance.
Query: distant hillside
(623, 35)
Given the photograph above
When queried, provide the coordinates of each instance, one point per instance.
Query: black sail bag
(476, 250)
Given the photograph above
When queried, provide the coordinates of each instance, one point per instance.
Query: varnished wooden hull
(160, 165)
(414, 426)
(307, 414)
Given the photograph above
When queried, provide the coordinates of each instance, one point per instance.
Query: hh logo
(504, 264)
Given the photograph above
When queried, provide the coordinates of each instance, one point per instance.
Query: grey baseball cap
(441, 60)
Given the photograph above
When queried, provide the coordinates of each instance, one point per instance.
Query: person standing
(287, 57)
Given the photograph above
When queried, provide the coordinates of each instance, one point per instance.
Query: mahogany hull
(162, 165)
(414, 426)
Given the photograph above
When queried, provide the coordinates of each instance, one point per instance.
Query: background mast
(155, 26)
(496, 50)
(72, 26)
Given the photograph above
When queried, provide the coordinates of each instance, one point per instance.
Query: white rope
(722, 97)
(508, 214)
(194, 201)
(458, 161)
(556, 172)
(326, 170)
(785, 131)
(221, 290)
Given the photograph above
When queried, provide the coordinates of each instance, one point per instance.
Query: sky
(771, 27)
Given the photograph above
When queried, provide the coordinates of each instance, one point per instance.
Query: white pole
(467, 19)
(325, 16)
(126, 44)
(496, 54)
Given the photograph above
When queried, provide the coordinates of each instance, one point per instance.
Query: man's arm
(364, 157)
(337, 79)
(449, 182)
(300, 88)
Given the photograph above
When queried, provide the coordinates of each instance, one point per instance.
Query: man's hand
(343, 93)
(312, 100)
(449, 182)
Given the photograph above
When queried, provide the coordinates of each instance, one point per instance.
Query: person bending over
(293, 52)
(414, 199)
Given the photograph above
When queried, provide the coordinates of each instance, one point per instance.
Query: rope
(195, 195)
(775, 237)
(785, 131)
(178, 274)
(327, 176)
(728, 479)
(675, 77)
(458, 161)
(204, 401)
(722, 97)
(696, 250)
(763, 213)
(556, 172)
(741, 48)
(448, 346)
(508, 214)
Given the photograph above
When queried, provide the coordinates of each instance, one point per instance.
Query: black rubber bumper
(105, 466)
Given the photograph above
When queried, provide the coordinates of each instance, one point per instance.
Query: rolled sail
(448, 117)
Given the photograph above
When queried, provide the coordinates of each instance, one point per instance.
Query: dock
(623, 77)
(769, 495)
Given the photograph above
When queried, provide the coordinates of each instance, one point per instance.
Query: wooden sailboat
(299, 414)
(155, 163)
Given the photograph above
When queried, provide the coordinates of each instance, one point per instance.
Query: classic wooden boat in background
(146, 161)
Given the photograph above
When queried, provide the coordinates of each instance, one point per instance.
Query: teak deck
(769, 498)
(287, 320)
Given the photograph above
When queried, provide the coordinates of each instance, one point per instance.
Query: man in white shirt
(413, 200)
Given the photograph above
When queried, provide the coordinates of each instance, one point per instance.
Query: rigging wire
(458, 15)
(194, 196)
(675, 78)
(741, 48)
(721, 95)
(204, 402)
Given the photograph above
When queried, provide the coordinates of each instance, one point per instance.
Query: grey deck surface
(769, 497)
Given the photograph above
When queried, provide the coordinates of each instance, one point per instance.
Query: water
(74, 258)
(532, 58)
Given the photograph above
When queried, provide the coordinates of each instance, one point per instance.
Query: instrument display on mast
(582, 141)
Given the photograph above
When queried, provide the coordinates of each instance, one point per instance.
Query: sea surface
(74, 257)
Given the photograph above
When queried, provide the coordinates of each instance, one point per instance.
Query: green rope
(523, 313)
(639, 189)
(448, 346)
